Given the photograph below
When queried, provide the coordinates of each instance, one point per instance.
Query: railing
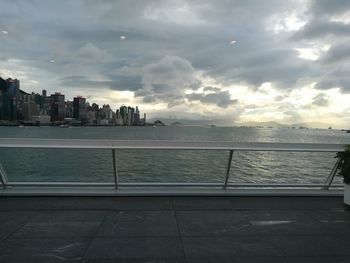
(119, 188)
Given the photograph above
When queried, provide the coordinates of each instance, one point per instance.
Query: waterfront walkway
(174, 229)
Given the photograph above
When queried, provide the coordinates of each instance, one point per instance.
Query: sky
(230, 60)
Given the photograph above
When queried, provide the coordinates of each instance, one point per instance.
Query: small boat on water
(64, 126)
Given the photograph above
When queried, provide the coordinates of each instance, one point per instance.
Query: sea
(196, 166)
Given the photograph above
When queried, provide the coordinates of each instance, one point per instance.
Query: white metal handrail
(167, 145)
(115, 145)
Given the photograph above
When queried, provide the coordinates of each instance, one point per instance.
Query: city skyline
(235, 61)
(18, 106)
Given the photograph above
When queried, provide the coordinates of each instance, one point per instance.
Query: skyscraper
(137, 116)
(79, 108)
(3, 98)
(57, 111)
(130, 116)
(29, 110)
(124, 113)
(9, 95)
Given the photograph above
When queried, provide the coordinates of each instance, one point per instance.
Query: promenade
(174, 229)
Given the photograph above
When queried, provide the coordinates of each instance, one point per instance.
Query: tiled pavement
(174, 229)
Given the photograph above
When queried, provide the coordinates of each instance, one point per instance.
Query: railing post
(115, 169)
(331, 175)
(3, 177)
(228, 169)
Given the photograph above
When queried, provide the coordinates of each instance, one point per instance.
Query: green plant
(344, 164)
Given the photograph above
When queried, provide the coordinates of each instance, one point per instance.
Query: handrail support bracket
(115, 169)
(3, 177)
(228, 168)
(330, 178)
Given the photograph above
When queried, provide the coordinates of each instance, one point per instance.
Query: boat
(64, 126)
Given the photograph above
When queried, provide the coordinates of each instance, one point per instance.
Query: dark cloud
(337, 53)
(327, 26)
(336, 78)
(209, 88)
(220, 98)
(167, 79)
(330, 7)
(121, 83)
(319, 28)
(321, 100)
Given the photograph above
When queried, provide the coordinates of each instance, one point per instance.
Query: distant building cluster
(17, 106)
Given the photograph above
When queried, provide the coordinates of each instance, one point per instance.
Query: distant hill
(158, 123)
(224, 123)
(189, 122)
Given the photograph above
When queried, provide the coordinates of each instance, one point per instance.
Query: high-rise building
(69, 109)
(124, 113)
(3, 99)
(95, 107)
(137, 116)
(47, 105)
(79, 108)
(9, 96)
(57, 111)
(30, 109)
(130, 116)
(118, 118)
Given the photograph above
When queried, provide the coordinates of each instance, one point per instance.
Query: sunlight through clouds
(232, 61)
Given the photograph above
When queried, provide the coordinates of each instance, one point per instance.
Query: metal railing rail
(115, 145)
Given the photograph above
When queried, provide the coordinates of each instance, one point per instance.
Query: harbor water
(77, 165)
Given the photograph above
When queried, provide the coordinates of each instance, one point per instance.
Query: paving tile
(277, 215)
(261, 260)
(139, 223)
(57, 229)
(7, 216)
(139, 229)
(55, 203)
(137, 260)
(313, 260)
(227, 247)
(287, 203)
(64, 216)
(11, 222)
(214, 223)
(142, 203)
(136, 247)
(342, 259)
(211, 260)
(331, 216)
(237, 260)
(308, 246)
(47, 260)
(44, 249)
(340, 227)
(333, 213)
(202, 203)
(286, 222)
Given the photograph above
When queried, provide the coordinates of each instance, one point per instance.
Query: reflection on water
(169, 165)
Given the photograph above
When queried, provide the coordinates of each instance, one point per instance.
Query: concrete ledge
(164, 191)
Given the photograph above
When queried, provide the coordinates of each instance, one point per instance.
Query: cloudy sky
(234, 60)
